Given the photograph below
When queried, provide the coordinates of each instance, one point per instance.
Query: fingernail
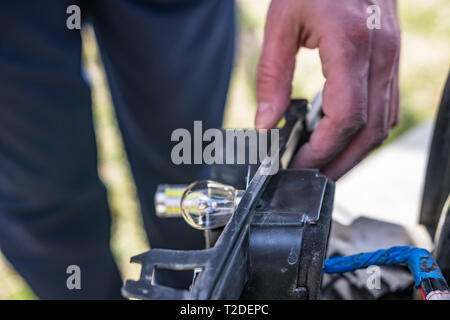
(264, 116)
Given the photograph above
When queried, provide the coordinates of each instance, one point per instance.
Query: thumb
(276, 64)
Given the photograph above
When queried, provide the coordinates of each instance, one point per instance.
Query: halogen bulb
(208, 204)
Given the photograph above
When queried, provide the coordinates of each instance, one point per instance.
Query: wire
(427, 274)
(423, 294)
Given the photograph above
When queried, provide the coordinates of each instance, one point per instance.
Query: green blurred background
(425, 62)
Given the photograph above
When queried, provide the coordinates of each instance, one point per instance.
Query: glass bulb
(208, 204)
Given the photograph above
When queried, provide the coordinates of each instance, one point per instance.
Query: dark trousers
(167, 62)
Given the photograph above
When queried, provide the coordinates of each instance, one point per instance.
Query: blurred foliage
(425, 62)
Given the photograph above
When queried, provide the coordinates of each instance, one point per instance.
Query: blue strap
(419, 261)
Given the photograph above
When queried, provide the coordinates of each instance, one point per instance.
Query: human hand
(360, 95)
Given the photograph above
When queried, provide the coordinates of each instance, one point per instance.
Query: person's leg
(168, 63)
(53, 208)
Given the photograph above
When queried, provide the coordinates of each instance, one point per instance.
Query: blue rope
(419, 261)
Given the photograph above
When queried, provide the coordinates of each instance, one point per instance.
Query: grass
(424, 67)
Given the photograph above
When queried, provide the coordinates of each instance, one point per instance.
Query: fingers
(381, 103)
(345, 65)
(370, 137)
(360, 96)
(395, 101)
(276, 64)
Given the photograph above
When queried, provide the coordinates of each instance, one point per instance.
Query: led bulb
(208, 204)
(167, 200)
